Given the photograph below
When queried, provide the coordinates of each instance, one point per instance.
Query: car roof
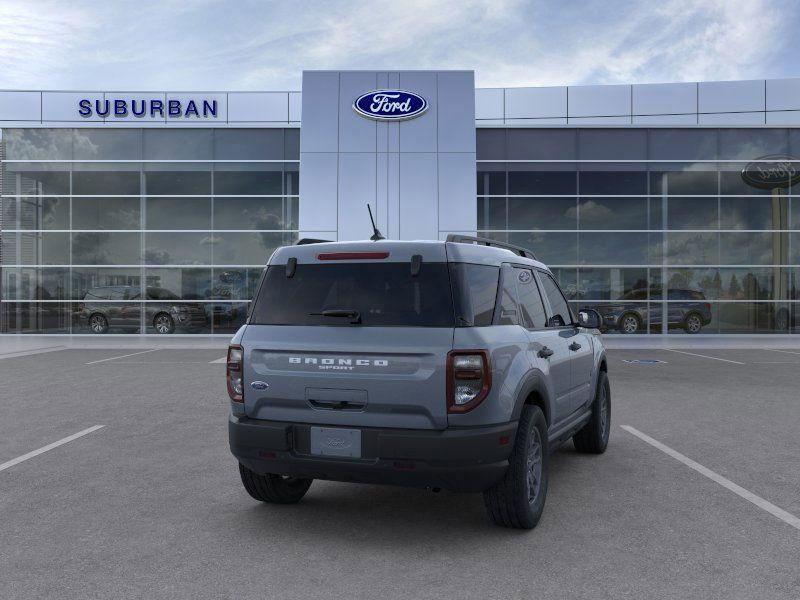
(403, 250)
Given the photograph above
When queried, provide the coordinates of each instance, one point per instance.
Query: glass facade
(141, 230)
(167, 230)
(622, 214)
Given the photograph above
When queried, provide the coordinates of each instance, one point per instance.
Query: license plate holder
(336, 441)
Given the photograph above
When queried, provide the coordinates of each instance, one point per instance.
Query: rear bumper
(463, 459)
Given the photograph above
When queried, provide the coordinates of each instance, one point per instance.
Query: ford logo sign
(390, 105)
(773, 171)
(259, 385)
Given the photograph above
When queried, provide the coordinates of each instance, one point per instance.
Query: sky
(204, 45)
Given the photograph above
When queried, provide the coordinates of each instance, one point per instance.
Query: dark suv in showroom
(103, 308)
(687, 309)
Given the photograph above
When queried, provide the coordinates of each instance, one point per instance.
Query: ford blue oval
(390, 105)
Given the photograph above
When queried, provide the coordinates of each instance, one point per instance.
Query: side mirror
(589, 318)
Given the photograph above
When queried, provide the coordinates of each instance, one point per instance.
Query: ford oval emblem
(259, 385)
(773, 171)
(390, 105)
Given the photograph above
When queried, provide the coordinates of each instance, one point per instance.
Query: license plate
(335, 441)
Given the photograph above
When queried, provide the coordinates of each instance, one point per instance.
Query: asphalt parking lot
(150, 505)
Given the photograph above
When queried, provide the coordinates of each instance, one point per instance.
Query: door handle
(574, 346)
(545, 352)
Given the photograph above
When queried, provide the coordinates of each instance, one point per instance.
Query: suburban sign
(154, 107)
(390, 105)
(773, 171)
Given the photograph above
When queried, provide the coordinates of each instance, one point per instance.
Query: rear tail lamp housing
(234, 373)
(469, 379)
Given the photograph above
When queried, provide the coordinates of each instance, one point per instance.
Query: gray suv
(455, 365)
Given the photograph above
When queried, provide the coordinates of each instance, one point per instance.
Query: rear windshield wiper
(344, 313)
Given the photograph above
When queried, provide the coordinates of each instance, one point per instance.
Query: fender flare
(534, 381)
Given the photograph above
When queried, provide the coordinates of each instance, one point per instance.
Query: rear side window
(558, 304)
(383, 294)
(474, 293)
(508, 297)
(530, 300)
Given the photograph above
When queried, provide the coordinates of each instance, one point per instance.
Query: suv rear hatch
(354, 334)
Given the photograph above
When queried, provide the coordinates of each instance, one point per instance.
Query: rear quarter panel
(507, 346)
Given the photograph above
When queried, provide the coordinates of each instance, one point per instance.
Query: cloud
(266, 45)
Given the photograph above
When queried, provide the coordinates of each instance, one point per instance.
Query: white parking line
(43, 449)
(736, 362)
(784, 351)
(716, 477)
(224, 359)
(21, 353)
(94, 362)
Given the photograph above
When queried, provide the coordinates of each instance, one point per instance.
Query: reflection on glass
(250, 182)
(105, 213)
(251, 213)
(186, 284)
(38, 213)
(614, 248)
(111, 182)
(106, 248)
(177, 213)
(180, 248)
(541, 213)
(247, 248)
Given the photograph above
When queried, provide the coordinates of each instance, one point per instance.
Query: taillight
(469, 378)
(233, 373)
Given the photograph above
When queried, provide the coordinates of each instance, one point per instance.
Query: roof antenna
(376, 234)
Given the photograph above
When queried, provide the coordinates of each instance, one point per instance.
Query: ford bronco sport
(455, 365)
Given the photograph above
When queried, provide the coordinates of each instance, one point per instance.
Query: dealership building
(155, 212)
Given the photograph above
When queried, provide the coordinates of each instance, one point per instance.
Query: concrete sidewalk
(23, 343)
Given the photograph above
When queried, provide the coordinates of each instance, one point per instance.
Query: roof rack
(304, 241)
(469, 239)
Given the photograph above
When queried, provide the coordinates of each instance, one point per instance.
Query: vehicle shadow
(381, 516)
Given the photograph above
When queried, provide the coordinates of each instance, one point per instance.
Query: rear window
(383, 294)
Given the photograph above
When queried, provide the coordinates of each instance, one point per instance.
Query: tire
(275, 489)
(163, 323)
(98, 323)
(629, 323)
(593, 437)
(693, 323)
(518, 499)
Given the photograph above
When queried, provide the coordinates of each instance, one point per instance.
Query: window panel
(97, 284)
(179, 248)
(250, 182)
(754, 213)
(550, 248)
(692, 248)
(612, 144)
(40, 213)
(492, 214)
(248, 144)
(614, 249)
(106, 213)
(177, 144)
(247, 248)
(178, 213)
(612, 213)
(746, 248)
(613, 284)
(522, 181)
(185, 284)
(107, 144)
(36, 318)
(234, 283)
(178, 183)
(106, 248)
(542, 213)
(38, 144)
(116, 183)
